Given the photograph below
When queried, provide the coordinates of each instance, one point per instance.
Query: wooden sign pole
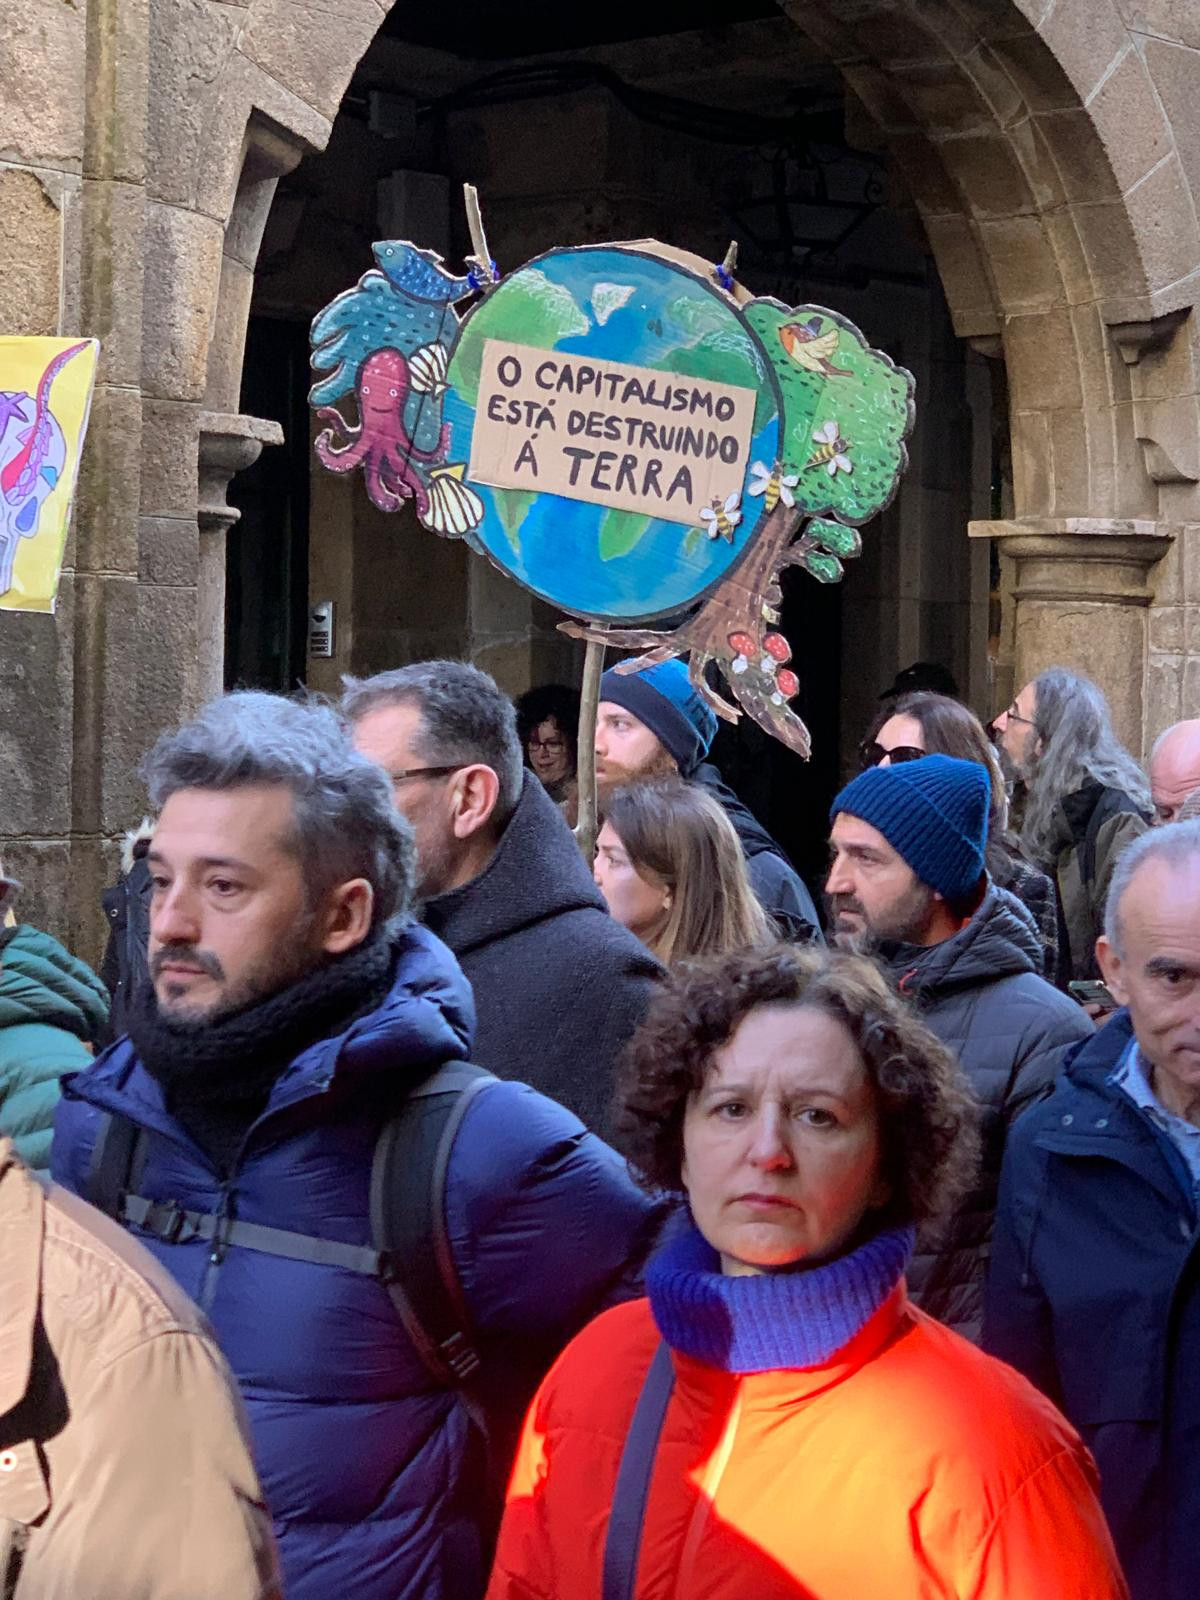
(587, 826)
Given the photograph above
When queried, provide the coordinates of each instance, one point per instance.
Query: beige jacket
(124, 1468)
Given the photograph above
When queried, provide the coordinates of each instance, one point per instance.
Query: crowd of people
(436, 1213)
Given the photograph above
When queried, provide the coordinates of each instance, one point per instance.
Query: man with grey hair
(1174, 770)
(559, 985)
(288, 1041)
(1095, 1283)
(1084, 799)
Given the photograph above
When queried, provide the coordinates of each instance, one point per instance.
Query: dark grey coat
(559, 985)
(781, 891)
(981, 994)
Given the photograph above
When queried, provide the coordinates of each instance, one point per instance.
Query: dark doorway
(266, 559)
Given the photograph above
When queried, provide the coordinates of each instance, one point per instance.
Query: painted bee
(832, 452)
(720, 520)
(773, 484)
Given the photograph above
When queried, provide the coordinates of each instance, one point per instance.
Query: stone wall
(1053, 156)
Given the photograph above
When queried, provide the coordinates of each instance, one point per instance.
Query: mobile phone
(1092, 992)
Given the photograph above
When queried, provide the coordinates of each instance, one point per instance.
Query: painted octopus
(381, 444)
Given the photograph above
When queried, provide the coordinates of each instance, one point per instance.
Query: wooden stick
(586, 827)
(730, 262)
(479, 244)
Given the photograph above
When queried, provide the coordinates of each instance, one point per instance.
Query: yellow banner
(45, 395)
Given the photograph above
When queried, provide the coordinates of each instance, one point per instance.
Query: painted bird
(810, 348)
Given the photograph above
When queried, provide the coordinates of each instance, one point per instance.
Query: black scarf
(217, 1076)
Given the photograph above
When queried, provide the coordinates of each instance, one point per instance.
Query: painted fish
(419, 273)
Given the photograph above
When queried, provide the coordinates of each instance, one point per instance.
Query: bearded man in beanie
(654, 722)
(908, 884)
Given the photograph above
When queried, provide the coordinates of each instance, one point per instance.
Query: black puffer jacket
(559, 985)
(980, 992)
(781, 890)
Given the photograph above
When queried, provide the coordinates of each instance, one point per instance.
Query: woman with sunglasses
(923, 724)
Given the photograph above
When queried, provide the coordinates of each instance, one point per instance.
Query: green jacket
(1091, 829)
(52, 1007)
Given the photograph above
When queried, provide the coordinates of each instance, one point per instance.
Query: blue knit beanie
(664, 698)
(933, 812)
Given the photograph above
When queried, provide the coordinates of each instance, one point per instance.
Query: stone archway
(1053, 182)
(1040, 148)
(1048, 145)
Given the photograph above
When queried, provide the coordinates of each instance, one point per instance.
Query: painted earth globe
(626, 306)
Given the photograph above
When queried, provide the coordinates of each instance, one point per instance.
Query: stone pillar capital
(1092, 559)
(1082, 593)
(229, 443)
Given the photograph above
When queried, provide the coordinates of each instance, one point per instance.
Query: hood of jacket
(756, 841)
(999, 941)
(426, 1018)
(537, 872)
(42, 982)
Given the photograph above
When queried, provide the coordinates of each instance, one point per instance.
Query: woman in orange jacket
(776, 1421)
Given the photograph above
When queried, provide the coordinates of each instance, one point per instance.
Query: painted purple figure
(394, 467)
(380, 444)
(32, 460)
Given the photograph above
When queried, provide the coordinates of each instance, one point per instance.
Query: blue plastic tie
(476, 279)
(724, 277)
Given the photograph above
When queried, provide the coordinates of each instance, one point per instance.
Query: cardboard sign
(45, 397)
(609, 433)
(629, 435)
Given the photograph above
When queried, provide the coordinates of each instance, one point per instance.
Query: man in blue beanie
(653, 723)
(908, 884)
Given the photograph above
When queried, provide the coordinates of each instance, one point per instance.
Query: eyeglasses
(425, 772)
(1013, 715)
(872, 753)
(553, 747)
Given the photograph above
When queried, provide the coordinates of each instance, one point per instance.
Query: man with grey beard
(907, 883)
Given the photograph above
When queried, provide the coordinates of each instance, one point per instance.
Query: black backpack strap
(174, 1224)
(117, 1158)
(408, 1219)
(410, 1253)
(624, 1542)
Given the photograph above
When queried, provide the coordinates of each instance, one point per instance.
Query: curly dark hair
(928, 1115)
(550, 702)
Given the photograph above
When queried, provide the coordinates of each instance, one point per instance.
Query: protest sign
(609, 433)
(628, 434)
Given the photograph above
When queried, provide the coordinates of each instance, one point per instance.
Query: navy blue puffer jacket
(371, 1470)
(1094, 1295)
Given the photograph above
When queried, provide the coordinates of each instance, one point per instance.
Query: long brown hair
(678, 834)
(949, 728)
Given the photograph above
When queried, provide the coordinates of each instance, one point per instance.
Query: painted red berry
(788, 682)
(742, 643)
(776, 645)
